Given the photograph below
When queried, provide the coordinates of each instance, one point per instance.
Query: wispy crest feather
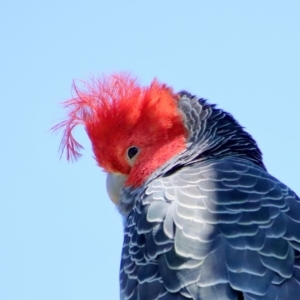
(90, 104)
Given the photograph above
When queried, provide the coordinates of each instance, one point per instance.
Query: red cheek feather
(151, 161)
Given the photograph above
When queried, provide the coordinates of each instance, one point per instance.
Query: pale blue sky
(60, 236)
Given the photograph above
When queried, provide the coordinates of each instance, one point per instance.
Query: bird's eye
(132, 151)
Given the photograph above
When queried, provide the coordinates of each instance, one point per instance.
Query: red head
(118, 114)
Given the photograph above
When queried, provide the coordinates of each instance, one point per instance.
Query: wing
(213, 230)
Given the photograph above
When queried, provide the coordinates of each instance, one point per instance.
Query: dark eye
(132, 151)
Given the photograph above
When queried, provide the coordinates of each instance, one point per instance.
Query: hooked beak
(114, 184)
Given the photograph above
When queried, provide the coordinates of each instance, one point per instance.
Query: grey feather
(207, 241)
(211, 223)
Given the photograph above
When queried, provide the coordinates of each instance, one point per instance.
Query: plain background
(60, 236)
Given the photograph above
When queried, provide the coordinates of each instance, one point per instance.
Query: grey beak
(114, 184)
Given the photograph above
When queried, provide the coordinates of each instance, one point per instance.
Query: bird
(203, 218)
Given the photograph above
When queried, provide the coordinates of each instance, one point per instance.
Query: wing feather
(213, 230)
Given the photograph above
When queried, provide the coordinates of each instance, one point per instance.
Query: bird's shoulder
(230, 216)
